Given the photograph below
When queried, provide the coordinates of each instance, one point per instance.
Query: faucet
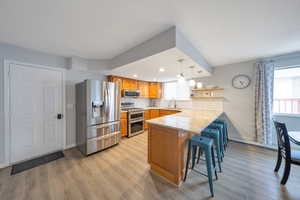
(174, 103)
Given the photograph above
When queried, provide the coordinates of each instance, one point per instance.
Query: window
(287, 91)
(178, 90)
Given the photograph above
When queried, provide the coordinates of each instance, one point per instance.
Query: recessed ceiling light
(154, 79)
(135, 75)
(161, 69)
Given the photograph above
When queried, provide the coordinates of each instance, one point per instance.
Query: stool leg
(199, 155)
(214, 161)
(208, 167)
(194, 154)
(226, 134)
(187, 160)
(219, 156)
(222, 147)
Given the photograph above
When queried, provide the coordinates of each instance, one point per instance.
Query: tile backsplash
(201, 104)
(138, 102)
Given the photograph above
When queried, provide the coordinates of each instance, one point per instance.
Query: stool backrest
(283, 140)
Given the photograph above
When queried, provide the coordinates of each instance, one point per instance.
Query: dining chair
(285, 151)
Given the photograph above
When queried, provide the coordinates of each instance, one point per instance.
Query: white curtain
(264, 102)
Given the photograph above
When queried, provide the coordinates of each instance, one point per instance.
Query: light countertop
(162, 108)
(188, 120)
(157, 108)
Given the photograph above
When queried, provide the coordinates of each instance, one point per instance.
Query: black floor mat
(36, 162)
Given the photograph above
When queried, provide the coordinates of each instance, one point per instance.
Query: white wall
(73, 77)
(238, 103)
(10, 52)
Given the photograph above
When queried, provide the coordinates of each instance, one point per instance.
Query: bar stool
(215, 134)
(226, 138)
(220, 127)
(206, 145)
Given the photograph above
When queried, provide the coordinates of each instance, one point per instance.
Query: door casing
(7, 100)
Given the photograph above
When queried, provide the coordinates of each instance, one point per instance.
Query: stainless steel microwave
(131, 93)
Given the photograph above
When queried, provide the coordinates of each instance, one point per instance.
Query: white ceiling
(223, 31)
(148, 69)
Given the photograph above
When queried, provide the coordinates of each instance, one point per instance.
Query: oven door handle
(137, 120)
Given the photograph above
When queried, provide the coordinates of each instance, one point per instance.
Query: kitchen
(149, 100)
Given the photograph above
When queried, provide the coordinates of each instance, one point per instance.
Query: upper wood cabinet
(143, 87)
(155, 90)
(116, 79)
(147, 89)
(129, 84)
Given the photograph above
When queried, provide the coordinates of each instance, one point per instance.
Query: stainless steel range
(135, 120)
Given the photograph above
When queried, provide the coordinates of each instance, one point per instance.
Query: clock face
(241, 81)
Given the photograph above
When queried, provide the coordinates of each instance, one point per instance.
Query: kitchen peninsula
(167, 140)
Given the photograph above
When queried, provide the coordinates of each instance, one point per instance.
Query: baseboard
(3, 165)
(70, 146)
(255, 144)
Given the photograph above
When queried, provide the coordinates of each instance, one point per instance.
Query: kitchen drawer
(103, 129)
(96, 144)
(165, 112)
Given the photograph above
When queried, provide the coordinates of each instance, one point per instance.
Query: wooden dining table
(294, 137)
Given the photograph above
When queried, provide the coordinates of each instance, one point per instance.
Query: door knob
(60, 116)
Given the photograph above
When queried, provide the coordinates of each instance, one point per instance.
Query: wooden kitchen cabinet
(163, 112)
(154, 113)
(143, 87)
(146, 117)
(147, 114)
(124, 124)
(129, 84)
(116, 79)
(147, 89)
(155, 90)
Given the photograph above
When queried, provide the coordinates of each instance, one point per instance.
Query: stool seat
(224, 123)
(201, 141)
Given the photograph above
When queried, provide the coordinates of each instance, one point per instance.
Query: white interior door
(35, 101)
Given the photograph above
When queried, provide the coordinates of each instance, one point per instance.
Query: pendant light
(180, 76)
(192, 82)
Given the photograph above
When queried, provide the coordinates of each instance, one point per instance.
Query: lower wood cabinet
(146, 117)
(154, 113)
(167, 112)
(124, 124)
(148, 114)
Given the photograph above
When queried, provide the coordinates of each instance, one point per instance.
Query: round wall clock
(241, 81)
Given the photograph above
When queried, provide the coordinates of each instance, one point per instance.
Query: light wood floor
(122, 172)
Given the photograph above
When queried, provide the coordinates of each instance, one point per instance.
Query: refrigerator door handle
(106, 99)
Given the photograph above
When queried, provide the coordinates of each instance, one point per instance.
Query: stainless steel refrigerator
(97, 115)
